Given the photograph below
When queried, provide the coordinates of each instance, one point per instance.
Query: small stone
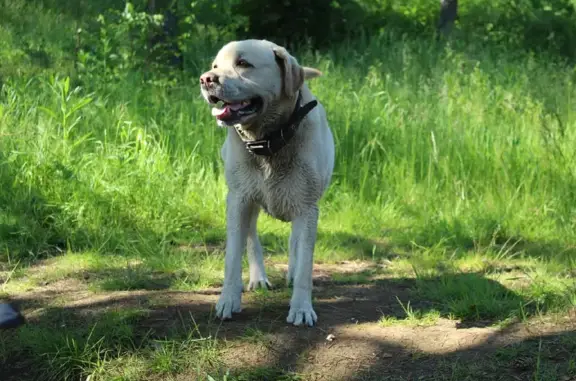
(330, 337)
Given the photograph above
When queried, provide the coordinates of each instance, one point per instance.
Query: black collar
(278, 139)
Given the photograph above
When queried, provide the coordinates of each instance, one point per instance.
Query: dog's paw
(302, 313)
(261, 282)
(229, 302)
(258, 278)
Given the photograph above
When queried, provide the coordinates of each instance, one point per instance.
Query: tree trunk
(448, 16)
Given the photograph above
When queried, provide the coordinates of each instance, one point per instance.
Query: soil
(346, 344)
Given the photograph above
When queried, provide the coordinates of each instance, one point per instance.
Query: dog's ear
(292, 72)
(310, 73)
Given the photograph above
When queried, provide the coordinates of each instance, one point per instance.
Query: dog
(278, 156)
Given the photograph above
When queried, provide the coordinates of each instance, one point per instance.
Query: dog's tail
(310, 72)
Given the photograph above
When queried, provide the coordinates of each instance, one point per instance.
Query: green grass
(412, 318)
(455, 171)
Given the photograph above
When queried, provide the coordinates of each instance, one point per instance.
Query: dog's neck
(273, 124)
(271, 137)
(276, 117)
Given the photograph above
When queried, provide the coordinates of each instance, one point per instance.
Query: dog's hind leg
(258, 276)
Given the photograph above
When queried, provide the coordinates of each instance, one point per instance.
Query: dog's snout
(209, 79)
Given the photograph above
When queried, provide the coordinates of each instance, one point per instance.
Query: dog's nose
(208, 79)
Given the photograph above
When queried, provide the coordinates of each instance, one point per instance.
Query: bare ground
(347, 344)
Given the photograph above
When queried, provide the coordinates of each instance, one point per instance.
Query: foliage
(294, 22)
(131, 40)
(538, 25)
(119, 45)
(455, 167)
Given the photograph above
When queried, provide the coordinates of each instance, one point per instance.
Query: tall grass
(434, 144)
(448, 155)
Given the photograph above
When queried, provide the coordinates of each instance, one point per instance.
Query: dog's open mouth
(229, 112)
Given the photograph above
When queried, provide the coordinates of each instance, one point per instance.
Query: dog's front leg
(237, 223)
(304, 234)
(292, 251)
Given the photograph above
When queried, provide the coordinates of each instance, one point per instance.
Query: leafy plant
(121, 44)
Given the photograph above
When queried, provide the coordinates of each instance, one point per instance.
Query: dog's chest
(283, 192)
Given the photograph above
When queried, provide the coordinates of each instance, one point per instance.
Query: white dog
(278, 155)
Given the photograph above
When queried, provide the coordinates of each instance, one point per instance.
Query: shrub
(294, 22)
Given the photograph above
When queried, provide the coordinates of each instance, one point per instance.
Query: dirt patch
(368, 351)
(323, 273)
(347, 344)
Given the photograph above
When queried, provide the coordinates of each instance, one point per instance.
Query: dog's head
(252, 83)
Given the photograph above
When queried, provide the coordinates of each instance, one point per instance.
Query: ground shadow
(504, 355)
(133, 320)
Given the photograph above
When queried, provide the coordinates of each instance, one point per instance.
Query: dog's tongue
(220, 113)
(226, 110)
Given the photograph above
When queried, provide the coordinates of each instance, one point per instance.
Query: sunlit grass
(455, 171)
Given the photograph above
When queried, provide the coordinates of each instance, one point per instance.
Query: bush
(133, 40)
(120, 43)
(295, 22)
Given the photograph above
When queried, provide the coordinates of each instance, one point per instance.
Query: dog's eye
(215, 67)
(243, 63)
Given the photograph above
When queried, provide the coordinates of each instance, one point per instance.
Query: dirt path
(347, 344)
